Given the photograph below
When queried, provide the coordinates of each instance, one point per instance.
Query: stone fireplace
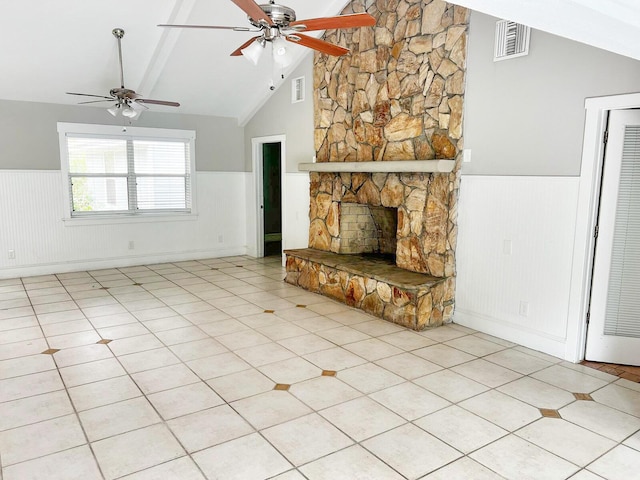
(395, 99)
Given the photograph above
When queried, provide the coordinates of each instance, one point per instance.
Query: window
(126, 171)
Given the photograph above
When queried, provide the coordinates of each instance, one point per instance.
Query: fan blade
(138, 106)
(235, 29)
(89, 95)
(157, 102)
(341, 21)
(316, 44)
(238, 51)
(95, 101)
(254, 11)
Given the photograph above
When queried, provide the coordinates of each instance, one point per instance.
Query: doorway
(614, 324)
(272, 198)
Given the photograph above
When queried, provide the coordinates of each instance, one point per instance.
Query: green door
(271, 188)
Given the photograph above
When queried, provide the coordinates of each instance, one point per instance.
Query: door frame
(258, 174)
(597, 113)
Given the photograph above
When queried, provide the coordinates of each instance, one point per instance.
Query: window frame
(129, 134)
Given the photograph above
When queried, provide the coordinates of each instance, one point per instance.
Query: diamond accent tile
(301, 306)
(269, 311)
(50, 351)
(550, 413)
(104, 341)
(583, 396)
(329, 373)
(282, 386)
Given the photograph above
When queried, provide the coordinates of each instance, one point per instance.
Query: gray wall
(525, 116)
(29, 137)
(279, 116)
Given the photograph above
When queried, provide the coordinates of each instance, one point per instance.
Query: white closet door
(614, 328)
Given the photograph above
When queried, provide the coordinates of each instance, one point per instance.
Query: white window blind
(127, 173)
(623, 302)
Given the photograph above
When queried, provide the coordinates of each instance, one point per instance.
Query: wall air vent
(512, 40)
(297, 90)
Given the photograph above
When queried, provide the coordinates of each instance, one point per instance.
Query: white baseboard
(508, 331)
(117, 262)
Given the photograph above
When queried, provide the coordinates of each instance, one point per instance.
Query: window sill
(127, 219)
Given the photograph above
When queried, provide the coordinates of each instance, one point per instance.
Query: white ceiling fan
(127, 102)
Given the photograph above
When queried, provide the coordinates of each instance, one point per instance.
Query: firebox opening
(367, 229)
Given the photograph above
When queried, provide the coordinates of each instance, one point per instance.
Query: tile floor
(216, 369)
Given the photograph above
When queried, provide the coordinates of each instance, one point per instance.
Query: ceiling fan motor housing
(279, 14)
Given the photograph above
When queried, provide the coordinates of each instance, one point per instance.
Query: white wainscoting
(515, 245)
(31, 212)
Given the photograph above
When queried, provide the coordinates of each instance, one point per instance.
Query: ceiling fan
(277, 24)
(127, 101)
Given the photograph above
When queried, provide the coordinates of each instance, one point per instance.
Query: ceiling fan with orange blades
(127, 102)
(277, 25)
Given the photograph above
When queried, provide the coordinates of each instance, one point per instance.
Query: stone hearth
(376, 286)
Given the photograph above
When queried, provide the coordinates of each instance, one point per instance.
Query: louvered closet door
(614, 328)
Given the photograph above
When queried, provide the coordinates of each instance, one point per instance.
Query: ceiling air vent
(512, 40)
(297, 90)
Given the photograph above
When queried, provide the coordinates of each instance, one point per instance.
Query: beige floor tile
(316, 324)
(537, 393)
(264, 354)
(372, 349)
(184, 400)
(501, 409)
(353, 463)
(116, 418)
(218, 365)
(513, 457)
(20, 335)
(148, 360)
(306, 439)
(487, 373)
(621, 463)
(362, 418)
(369, 378)
(198, 349)
(141, 343)
(633, 441)
(408, 365)
(16, 367)
(246, 458)
(281, 331)
(62, 328)
(40, 439)
(181, 469)
(336, 358)
(569, 380)
(518, 361)
(461, 429)
(323, 392)
(74, 464)
(566, 440)
(206, 428)
(407, 340)
(398, 449)
(342, 335)
(101, 393)
(409, 400)
(91, 372)
(84, 354)
(305, 344)
(620, 398)
(451, 386)
(169, 323)
(464, 468)
(601, 419)
(22, 349)
(123, 331)
(165, 378)
(290, 371)
(474, 345)
(377, 327)
(34, 409)
(443, 355)
(136, 450)
(29, 385)
(270, 408)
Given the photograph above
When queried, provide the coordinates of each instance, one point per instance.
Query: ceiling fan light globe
(253, 52)
(129, 113)
(281, 53)
(114, 110)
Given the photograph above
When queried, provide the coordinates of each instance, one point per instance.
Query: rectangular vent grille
(512, 40)
(297, 90)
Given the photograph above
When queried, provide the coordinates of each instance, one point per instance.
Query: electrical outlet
(132, 245)
(466, 155)
(524, 309)
(12, 255)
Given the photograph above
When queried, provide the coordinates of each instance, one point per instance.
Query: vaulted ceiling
(52, 47)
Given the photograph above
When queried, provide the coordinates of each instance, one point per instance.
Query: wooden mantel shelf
(399, 166)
